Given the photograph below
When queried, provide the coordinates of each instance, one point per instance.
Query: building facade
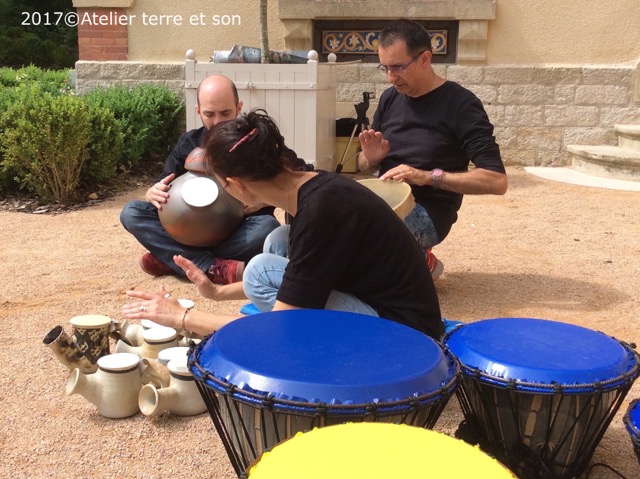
(549, 73)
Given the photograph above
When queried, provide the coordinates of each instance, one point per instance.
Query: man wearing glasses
(425, 132)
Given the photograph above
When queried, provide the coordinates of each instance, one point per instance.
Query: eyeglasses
(400, 69)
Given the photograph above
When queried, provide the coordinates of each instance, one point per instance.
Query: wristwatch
(436, 178)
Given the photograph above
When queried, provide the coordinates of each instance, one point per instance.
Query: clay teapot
(199, 212)
(181, 397)
(154, 340)
(89, 342)
(114, 388)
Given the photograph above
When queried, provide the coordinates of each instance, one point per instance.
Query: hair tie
(243, 139)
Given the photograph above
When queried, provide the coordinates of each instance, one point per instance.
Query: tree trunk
(264, 33)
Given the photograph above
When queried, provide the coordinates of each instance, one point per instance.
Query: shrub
(105, 147)
(171, 109)
(54, 142)
(8, 97)
(45, 142)
(148, 117)
(134, 116)
(54, 81)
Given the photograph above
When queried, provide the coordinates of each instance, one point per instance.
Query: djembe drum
(632, 422)
(375, 451)
(397, 194)
(539, 394)
(268, 376)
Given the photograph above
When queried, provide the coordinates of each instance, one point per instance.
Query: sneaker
(436, 268)
(225, 271)
(153, 266)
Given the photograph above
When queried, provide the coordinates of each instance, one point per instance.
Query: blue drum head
(538, 351)
(632, 420)
(321, 356)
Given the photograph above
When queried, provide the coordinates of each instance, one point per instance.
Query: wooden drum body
(537, 394)
(397, 194)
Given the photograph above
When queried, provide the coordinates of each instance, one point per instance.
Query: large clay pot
(199, 212)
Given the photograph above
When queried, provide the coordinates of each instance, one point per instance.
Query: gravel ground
(545, 249)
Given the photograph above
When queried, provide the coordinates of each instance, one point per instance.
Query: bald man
(217, 101)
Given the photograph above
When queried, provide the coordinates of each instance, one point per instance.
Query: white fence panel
(300, 97)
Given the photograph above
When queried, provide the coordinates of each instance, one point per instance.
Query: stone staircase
(620, 162)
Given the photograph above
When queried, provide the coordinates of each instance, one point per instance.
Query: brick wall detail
(102, 42)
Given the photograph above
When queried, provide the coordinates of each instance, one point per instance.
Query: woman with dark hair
(344, 249)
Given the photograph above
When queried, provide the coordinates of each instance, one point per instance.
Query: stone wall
(536, 111)
(92, 74)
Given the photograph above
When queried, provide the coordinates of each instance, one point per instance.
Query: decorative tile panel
(366, 42)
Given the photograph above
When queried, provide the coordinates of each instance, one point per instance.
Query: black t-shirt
(346, 238)
(447, 128)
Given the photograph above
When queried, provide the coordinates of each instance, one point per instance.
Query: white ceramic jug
(114, 388)
(181, 397)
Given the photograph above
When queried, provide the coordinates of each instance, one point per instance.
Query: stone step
(628, 136)
(606, 161)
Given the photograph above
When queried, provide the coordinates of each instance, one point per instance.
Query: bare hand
(374, 146)
(158, 194)
(405, 173)
(161, 308)
(202, 283)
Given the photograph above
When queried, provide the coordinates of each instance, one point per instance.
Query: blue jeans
(419, 223)
(263, 277)
(140, 218)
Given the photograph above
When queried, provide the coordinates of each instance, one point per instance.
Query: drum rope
(214, 409)
(482, 427)
(623, 379)
(249, 422)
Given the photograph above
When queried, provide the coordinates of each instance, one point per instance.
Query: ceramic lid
(168, 354)
(148, 324)
(199, 191)
(186, 303)
(118, 361)
(179, 366)
(325, 356)
(159, 334)
(540, 351)
(90, 321)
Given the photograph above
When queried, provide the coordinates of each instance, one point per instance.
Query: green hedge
(149, 116)
(54, 142)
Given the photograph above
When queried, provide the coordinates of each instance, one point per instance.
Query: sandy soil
(545, 249)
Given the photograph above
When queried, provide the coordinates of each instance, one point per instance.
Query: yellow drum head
(375, 450)
(397, 194)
